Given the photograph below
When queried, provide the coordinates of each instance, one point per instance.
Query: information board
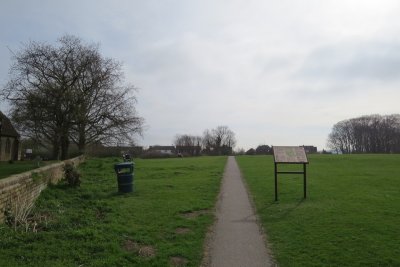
(290, 154)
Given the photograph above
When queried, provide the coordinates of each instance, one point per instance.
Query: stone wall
(29, 185)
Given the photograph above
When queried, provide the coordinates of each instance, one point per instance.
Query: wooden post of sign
(276, 181)
(305, 180)
(290, 155)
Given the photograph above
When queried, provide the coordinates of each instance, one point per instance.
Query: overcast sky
(276, 72)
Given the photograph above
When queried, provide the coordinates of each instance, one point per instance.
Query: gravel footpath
(236, 238)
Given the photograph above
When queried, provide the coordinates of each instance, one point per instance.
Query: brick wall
(28, 185)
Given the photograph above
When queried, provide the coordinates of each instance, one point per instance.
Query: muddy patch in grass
(178, 261)
(195, 213)
(182, 230)
(147, 252)
(144, 251)
(130, 246)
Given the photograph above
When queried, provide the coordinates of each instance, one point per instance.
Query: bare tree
(69, 92)
(105, 110)
(224, 140)
(230, 139)
(219, 141)
(188, 144)
(40, 95)
(366, 134)
(184, 140)
(207, 141)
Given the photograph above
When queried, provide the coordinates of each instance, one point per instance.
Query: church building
(9, 140)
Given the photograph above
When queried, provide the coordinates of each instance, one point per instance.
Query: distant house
(170, 150)
(188, 150)
(10, 148)
(99, 150)
(310, 149)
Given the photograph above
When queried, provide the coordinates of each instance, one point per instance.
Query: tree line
(69, 93)
(260, 150)
(218, 141)
(366, 134)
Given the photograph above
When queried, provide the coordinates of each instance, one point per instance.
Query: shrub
(251, 151)
(18, 211)
(71, 175)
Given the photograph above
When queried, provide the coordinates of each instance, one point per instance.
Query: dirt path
(236, 238)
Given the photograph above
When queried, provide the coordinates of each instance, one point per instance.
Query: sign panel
(289, 154)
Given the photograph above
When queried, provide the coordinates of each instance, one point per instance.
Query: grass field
(163, 223)
(7, 169)
(350, 218)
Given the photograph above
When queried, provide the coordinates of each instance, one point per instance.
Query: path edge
(258, 220)
(206, 260)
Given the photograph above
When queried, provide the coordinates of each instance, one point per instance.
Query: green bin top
(123, 166)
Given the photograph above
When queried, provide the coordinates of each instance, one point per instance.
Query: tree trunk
(56, 150)
(64, 147)
(82, 142)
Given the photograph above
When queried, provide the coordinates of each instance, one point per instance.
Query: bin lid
(124, 165)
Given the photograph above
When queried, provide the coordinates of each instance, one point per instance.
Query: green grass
(350, 218)
(94, 226)
(7, 169)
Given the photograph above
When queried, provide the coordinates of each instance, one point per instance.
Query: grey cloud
(200, 64)
(349, 62)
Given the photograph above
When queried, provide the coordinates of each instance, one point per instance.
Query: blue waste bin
(125, 174)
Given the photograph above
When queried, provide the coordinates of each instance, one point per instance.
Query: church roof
(6, 127)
